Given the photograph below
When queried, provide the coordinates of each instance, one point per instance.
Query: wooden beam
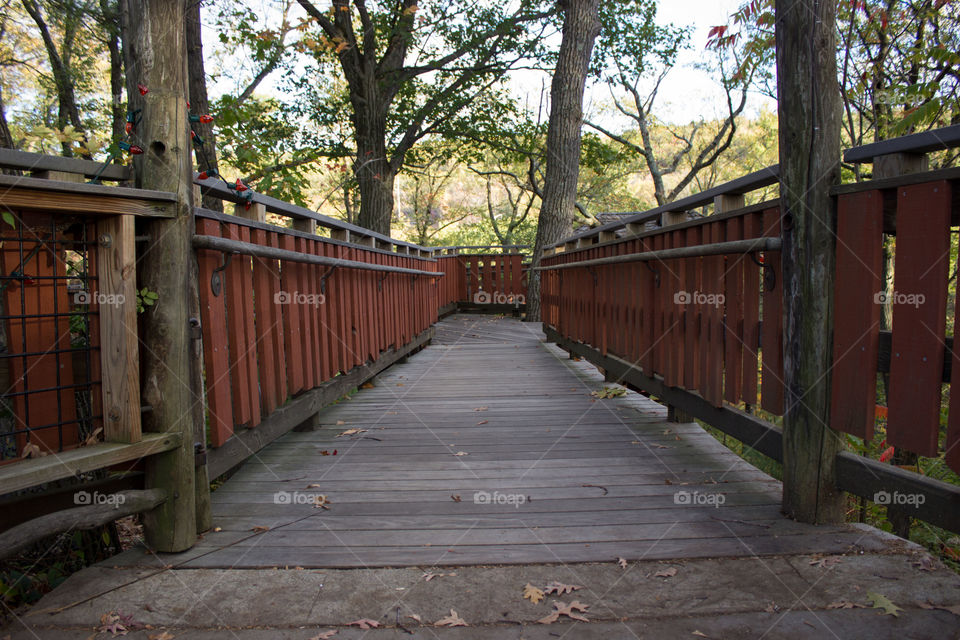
(306, 225)
(26, 161)
(809, 116)
(66, 464)
(94, 514)
(35, 199)
(251, 211)
(119, 344)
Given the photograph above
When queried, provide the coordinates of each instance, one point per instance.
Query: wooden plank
(856, 325)
(691, 342)
(752, 228)
(278, 366)
(292, 339)
(772, 335)
(236, 294)
(304, 311)
(921, 271)
(266, 319)
(119, 346)
(213, 323)
(733, 319)
(66, 464)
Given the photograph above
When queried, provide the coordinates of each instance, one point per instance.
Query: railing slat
(752, 228)
(919, 323)
(733, 320)
(772, 335)
(856, 323)
(291, 321)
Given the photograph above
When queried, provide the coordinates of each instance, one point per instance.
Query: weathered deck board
(599, 479)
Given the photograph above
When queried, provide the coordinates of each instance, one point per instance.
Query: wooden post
(307, 225)
(154, 39)
(256, 211)
(117, 305)
(668, 218)
(809, 114)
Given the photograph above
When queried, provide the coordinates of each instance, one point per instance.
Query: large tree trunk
(154, 39)
(111, 26)
(809, 112)
(6, 139)
(373, 170)
(581, 25)
(199, 103)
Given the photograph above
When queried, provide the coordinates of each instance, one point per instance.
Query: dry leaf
(622, 562)
(339, 422)
(845, 604)
(559, 588)
(92, 438)
(480, 409)
(461, 453)
(166, 635)
(452, 620)
(569, 610)
(955, 609)
(823, 561)
(532, 593)
(260, 529)
(880, 601)
(364, 623)
(326, 635)
(321, 502)
(773, 608)
(482, 422)
(315, 485)
(666, 573)
(414, 616)
(455, 498)
(351, 432)
(700, 634)
(217, 529)
(429, 575)
(324, 452)
(367, 385)
(31, 450)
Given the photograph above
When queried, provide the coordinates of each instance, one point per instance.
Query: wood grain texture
(600, 479)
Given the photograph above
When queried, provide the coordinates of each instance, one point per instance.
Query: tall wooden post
(155, 40)
(809, 113)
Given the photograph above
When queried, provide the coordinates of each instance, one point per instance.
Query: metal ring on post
(215, 284)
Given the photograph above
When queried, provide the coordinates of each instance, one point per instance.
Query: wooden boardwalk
(488, 448)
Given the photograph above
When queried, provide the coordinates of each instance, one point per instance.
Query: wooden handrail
(916, 143)
(26, 161)
(714, 249)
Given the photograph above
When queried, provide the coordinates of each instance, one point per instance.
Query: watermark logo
(912, 299)
(318, 500)
(699, 298)
(485, 497)
(99, 298)
(896, 498)
(85, 498)
(695, 498)
(295, 297)
(498, 297)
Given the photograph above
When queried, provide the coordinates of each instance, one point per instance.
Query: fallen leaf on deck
(324, 452)
(622, 562)
(480, 409)
(166, 635)
(773, 608)
(414, 616)
(364, 623)
(666, 573)
(93, 438)
(260, 529)
(845, 604)
(482, 422)
(609, 392)
(925, 563)
(823, 561)
(955, 609)
(880, 601)
(461, 453)
(321, 502)
(569, 610)
(351, 432)
(452, 620)
(367, 385)
(429, 575)
(217, 529)
(31, 450)
(560, 588)
(532, 593)
(339, 422)
(660, 446)
(455, 498)
(315, 485)
(700, 634)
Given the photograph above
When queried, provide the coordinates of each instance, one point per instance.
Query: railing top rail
(481, 246)
(696, 251)
(750, 182)
(227, 245)
(217, 188)
(27, 161)
(924, 142)
(266, 226)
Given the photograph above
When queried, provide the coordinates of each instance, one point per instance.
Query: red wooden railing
(483, 278)
(274, 328)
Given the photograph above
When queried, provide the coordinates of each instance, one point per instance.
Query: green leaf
(880, 601)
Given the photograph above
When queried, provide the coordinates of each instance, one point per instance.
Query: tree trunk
(111, 26)
(6, 139)
(199, 103)
(581, 25)
(373, 170)
(156, 44)
(809, 113)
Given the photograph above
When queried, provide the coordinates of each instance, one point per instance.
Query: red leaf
(886, 455)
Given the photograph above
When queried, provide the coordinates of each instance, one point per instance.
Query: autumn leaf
(559, 588)
(31, 450)
(321, 502)
(367, 385)
(880, 601)
(351, 432)
(480, 409)
(364, 623)
(166, 635)
(532, 593)
(824, 561)
(93, 438)
(340, 422)
(260, 529)
(482, 422)
(429, 575)
(609, 392)
(452, 620)
(845, 604)
(315, 485)
(461, 453)
(409, 11)
(455, 498)
(666, 573)
(326, 635)
(414, 616)
(955, 609)
(570, 610)
(622, 562)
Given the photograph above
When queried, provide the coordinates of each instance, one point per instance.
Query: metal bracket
(769, 275)
(323, 280)
(656, 274)
(380, 282)
(215, 283)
